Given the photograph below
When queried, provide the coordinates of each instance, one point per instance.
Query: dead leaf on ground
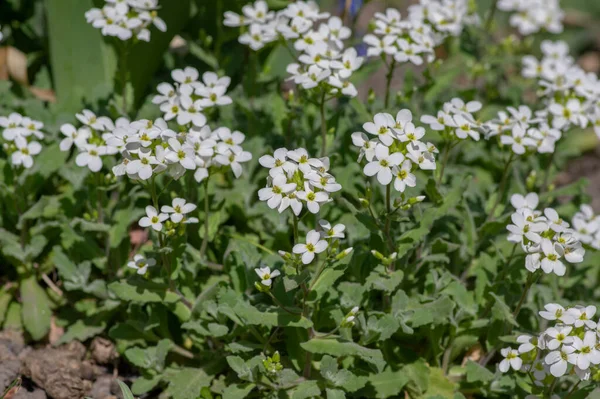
(474, 354)
(56, 332)
(16, 62)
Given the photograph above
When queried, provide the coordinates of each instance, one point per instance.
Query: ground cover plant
(298, 199)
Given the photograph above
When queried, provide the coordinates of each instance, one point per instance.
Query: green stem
(206, 220)
(388, 85)
(447, 149)
(123, 70)
(161, 240)
(295, 228)
(278, 303)
(491, 14)
(530, 280)
(323, 126)
(572, 390)
(547, 173)
(502, 188)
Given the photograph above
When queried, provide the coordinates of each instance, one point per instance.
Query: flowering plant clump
(569, 346)
(127, 19)
(20, 139)
(281, 199)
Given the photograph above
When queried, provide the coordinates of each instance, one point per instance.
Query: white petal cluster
(266, 275)
(546, 238)
(524, 131)
(571, 344)
(126, 19)
(587, 226)
(570, 95)
(150, 147)
(394, 150)
(296, 180)
(141, 264)
(414, 38)
(90, 139)
(456, 120)
(169, 215)
(185, 100)
(318, 39)
(531, 16)
(20, 135)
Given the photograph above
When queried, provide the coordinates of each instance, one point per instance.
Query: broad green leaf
(152, 358)
(436, 312)
(439, 385)
(143, 384)
(387, 383)
(138, 290)
(82, 330)
(36, 310)
(237, 391)
(187, 383)
(381, 280)
(305, 390)
(334, 347)
(477, 373)
(335, 394)
(72, 45)
(13, 319)
(5, 298)
(501, 311)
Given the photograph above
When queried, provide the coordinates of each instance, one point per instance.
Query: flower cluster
(531, 16)
(570, 344)
(20, 134)
(587, 226)
(185, 100)
(413, 39)
(545, 237)
(322, 61)
(297, 180)
(523, 130)
(570, 95)
(172, 216)
(126, 19)
(90, 139)
(396, 151)
(149, 148)
(456, 120)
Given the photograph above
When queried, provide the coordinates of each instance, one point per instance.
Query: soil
(70, 371)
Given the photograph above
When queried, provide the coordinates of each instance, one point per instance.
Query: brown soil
(69, 371)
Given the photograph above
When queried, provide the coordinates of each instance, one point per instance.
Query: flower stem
(161, 240)
(206, 220)
(447, 149)
(388, 83)
(572, 390)
(123, 70)
(502, 187)
(278, 303)
(491, 14)
(530, 280)
(295, 228)
(323, 126)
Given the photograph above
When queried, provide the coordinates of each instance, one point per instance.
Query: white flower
(141, 264)
(558, 360)
(404, 177)
(182, 154)
(274, 194)
(582, 316)
(560, 336)
(90, 157)
(367, 148)
(336, 231)
(313, 246)
(551, 262)
(179, 209)
(518, 140)
(75, 136)
(313, 199)
(266, 275)
(153, 218)
(382, 167)
(234, 160)
(523, 227)
(586, 352)
(23, 154)
(142, 167)
(556, 312)
(530, 201)
(511, 359)
(381, 127)
(571, 112)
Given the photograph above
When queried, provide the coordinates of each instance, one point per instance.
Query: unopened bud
(261, 287)
(344, 253)
(378, 255)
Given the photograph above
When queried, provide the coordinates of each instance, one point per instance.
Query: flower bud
(364, 202)
(262, 288)
(344, 253)
(378, 255)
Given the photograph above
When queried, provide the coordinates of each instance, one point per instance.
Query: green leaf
(187, 383)
(144, 384)
(82, 330)
(501, 311)
(439, 385)
(477, 373)
(243, 369)
(237, 391)
(13, 318)
(335, 394)
(139, 290)
(71, 46)
(388, 383)
(125, 390)
(338, 348)
(152, 358)
(413, 236)
(50, 160)
(305, 390)
(436, 312)
(381, 280)
(36, 310)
